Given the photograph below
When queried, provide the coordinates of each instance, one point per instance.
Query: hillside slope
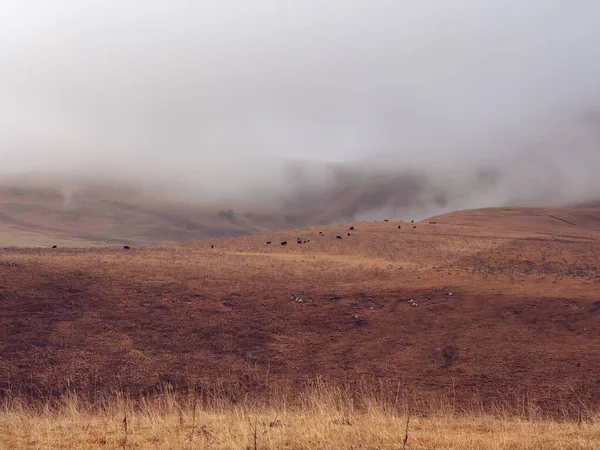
(581, 221)
(444, 311)
(83, 214)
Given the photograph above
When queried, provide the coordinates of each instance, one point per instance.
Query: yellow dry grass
(321, 422)
(376, 259)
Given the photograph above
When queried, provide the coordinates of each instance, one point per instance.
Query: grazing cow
(338, 237)
(298, 242)
(54, 246)
(385, 220)
(351, 228)
(399, 227)
(349, 234)
(284, 243)
(126, 247)
(268, 242)
(432, 223)
(321, 233)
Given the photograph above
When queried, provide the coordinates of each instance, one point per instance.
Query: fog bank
(342, 110)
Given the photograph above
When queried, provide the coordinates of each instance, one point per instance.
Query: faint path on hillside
(343, 259)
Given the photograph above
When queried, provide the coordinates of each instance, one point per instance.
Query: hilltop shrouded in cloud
(335, 109)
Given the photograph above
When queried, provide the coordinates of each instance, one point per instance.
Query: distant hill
(581, 221)
(37, 212)
(88, 214)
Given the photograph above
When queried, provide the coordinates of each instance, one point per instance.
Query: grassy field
(324, 419)
(482, 325)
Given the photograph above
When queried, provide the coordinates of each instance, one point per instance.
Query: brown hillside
(505, 312)
(78, 214)
(570, 222)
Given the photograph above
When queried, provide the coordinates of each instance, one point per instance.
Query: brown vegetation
(462, 312)
(500, 317)
(323, 418)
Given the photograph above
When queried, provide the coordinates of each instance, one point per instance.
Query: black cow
(414, 226)
(412, 221)
(126, 247)
(284, 243)
(298, 242)
(399, 227)
(351, 228)
(385, 220)
(268, 242)
(338, 237)
(212, 246)
(349, 234)
(54, 246)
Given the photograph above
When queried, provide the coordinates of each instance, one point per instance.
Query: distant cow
(412, 221)
(212, 246)
(432, 223)
(351, 228)
(54, 246)
(298, 242)
(385, 220)
(349, 234)
(284, 243)
(126, 247)
(414, 226)
(338, 237)
(268, 242)
(321, 233)
(399, 227)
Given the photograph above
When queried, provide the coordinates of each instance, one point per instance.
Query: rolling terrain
(495, 306)
(83, 214)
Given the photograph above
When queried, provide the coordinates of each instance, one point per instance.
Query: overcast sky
(220, 93)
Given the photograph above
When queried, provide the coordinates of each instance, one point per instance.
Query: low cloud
(326, 112)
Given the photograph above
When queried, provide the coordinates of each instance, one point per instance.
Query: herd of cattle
(301, 241)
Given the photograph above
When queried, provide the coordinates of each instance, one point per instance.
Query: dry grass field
(483, 327)
(324, 419)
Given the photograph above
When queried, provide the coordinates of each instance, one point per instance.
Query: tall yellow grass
(320, 418)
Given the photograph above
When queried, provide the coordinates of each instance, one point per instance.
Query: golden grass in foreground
(319, 421)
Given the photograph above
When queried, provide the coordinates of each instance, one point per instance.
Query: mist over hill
(236, 119)
(113, 207)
